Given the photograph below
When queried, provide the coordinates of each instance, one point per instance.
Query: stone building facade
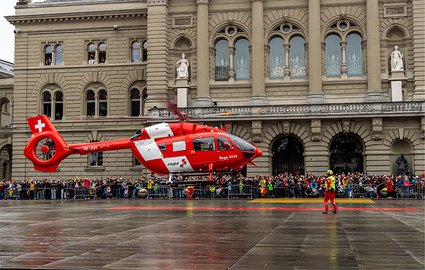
(309, 82)
(6, 128)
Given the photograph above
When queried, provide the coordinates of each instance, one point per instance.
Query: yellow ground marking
(310, 200)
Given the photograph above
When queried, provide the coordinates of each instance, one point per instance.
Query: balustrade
(296, 110)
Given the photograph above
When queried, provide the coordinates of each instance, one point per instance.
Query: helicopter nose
(258, 152)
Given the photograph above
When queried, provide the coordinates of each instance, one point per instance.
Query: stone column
(203, 98)
(157, 83)
(258, 86)
(315, 92)
(374, 89)
(418, 48)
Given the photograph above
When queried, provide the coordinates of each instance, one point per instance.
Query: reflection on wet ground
(211, 234)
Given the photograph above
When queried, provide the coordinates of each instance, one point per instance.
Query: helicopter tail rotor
(46, 148)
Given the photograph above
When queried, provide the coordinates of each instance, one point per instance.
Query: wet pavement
(211, 234)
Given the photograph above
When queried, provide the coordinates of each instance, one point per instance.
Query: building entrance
(346, 154)
(288, 156)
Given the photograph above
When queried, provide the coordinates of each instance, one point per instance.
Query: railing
(415, 107)
(412, 191)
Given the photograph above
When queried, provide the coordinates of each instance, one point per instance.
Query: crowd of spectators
(222, 186)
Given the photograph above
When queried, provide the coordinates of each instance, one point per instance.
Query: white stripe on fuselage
(178, 164)
(159, 131)
(148, 149)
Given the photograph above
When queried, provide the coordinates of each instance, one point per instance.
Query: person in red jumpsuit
(329, 192)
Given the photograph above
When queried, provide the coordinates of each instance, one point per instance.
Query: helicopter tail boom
(46, 148)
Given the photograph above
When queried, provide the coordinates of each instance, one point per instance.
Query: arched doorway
(6, 162)
(288, 156)
(401, 158)
(346, 154)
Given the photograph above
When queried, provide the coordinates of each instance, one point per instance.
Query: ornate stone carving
(316, 129)
(377, 128)
(346, 126)
(286, 128)
(158, 2)
(257, 132)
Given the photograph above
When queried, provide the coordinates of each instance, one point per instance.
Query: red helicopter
(164, 148)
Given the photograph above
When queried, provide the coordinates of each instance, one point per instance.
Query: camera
(16, 31)
(115, 27)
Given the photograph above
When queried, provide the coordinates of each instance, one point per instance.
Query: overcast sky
(6, 30)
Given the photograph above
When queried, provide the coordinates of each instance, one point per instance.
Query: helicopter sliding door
(203, 153)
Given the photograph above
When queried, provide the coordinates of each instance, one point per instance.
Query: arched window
(135, 102)
(145, 51)
(354, 55)
(58, 105)
(4, 112)
(103, 103)
(91, 53)
(242, 59)
(47, 104)
(91, 103)
(137, 99)
(333, 56)
(286, 52)
(222, 60)
(48, 55)
(102, 53)
(58, 54)
(52, 102)
(276, 58)
(136, 52)
(232, 55)
(296, 57)
(343, 51)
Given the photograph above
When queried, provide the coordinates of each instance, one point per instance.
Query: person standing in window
(91, 59)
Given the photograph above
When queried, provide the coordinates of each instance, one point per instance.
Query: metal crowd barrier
(414, 190)
(240, 191)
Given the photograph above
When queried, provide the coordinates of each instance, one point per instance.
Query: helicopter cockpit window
(179, 146)
(241, 144)
(224, 144)
(204, 144)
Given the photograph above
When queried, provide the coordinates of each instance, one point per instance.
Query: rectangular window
(96, 159)
(179, 146)
(162, 147)
(136, 162)
(204, 144)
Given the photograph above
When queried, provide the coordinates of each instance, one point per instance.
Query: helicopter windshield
(241, 144)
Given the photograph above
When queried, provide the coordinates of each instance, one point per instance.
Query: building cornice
(80, 16)
(158, 2)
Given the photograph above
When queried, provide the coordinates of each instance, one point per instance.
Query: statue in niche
(396, 60)
(182, 68)
(402, 165)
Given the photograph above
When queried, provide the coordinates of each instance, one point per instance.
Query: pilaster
(203, 98)
(258, 86)
(419, 49)
(315, 93)
(374, 89)
(157, 83)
